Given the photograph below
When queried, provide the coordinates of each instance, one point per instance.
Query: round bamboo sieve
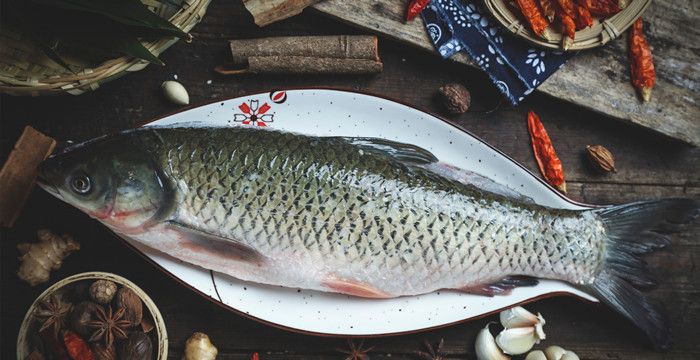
(25, 70)
(29, 325)
(598, 34)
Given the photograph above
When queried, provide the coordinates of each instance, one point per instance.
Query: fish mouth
(46, 184)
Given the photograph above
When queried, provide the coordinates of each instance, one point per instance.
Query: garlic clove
(486, 348)
(554, 352)
(518, 340)
(539, 332)
(519, 317)
(569, 355)
(536, 355)
(175, 92)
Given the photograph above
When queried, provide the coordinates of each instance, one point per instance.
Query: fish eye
(81, 184)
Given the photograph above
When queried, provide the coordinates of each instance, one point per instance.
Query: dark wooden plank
(596, 79)
(650, 167)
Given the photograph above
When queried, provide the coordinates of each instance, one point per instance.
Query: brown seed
(102, 291)
(81, 316)
(455, 97)
(133, 307)
(102, 352)
(601, 158)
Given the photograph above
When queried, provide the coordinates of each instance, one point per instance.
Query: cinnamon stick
(269, 11)
(19, 172)
(345, 54)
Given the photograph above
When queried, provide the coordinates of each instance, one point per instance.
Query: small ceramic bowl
(29, 324)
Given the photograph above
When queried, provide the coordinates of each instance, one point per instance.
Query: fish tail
(633, 230)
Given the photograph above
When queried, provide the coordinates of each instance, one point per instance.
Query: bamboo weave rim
(23, 338)
(598, 34)
(25, 70)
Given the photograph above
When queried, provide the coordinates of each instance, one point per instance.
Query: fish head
(112, 179)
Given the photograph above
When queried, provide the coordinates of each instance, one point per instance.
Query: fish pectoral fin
(399, 151)
(199, 240)
(354, 288)
(500, 287)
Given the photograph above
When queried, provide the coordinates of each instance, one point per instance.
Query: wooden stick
(19, 172)
(269, 11)
(306, 54)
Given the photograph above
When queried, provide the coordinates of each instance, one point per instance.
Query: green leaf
(127, 12)
(133, 47)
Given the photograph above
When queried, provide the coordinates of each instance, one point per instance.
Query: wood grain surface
(649, 167)
(596, 79)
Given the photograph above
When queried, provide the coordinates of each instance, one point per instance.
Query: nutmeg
(102, 291)
(137, 346)
(81, 316)
(133, 308)
(455, 97)
(601, 158)
(102, 352)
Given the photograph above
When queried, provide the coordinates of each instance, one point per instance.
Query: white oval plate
(326, 112)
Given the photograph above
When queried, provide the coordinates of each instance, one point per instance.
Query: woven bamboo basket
(25, 70)
(29, 325)
(599, 34)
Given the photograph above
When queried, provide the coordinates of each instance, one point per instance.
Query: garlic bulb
(486, 348)
(519, 317)
(536, 355)
(175, 92)
(518, 340)
(554, 352)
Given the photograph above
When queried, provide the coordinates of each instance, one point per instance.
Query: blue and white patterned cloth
(515, 66)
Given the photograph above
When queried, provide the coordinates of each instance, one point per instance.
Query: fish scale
(339, 211)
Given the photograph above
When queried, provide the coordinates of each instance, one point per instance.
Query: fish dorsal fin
(399, 151)
(212, 242)
(476, 180)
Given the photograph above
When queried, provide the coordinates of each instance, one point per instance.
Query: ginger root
(40, 258)
(199, 347)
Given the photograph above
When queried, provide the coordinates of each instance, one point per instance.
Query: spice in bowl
(90, 319)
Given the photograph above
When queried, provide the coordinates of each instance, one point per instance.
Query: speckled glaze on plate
(327, 112)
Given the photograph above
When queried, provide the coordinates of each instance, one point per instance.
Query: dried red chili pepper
(547, 160)
(604, 8)
(583, 14)
(567, 14)
(641, 62)
(255, 356)
(548, 9)
(533, 15)
(415, 7)
(77, 348)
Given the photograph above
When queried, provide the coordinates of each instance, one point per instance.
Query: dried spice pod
(103, 352)
(455, 98)
(547, 160)
(53, 313)
(77, 348)
(199, 347)
(81, 316)
(415, 7)
(131, 303)
(103, 291)
(601, 158)
(567, 13)
(641, 62)
(533, 15)
(39, 259)
(137, 346)
(604, 8)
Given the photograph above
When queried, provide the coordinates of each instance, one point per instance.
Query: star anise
(433, 353)
(356, 352)
(109, 325)
(53, 312)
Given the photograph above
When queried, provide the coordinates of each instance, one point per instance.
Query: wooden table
(649, 166)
